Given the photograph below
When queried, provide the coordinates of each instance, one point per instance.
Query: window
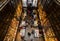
(29, 1)
(35, 3)
(24, 2)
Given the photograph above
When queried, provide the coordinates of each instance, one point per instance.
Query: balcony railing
(3, 3)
